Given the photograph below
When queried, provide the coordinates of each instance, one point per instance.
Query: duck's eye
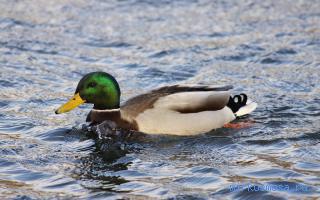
(92, 84)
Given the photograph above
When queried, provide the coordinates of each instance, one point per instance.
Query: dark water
(269, 49)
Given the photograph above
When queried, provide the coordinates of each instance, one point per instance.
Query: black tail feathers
(237, 101)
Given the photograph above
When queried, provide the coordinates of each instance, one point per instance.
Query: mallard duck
(175, 110)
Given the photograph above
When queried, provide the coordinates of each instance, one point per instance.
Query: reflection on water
(268, 49)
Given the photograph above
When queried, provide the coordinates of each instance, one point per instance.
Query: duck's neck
(98, 115)
(109, 100)
(107, 107)
(106, 97)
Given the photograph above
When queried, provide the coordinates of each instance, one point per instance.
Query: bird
(173, 110)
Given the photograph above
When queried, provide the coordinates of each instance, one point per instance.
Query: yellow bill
(71, 104)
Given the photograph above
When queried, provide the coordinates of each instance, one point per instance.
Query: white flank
(165, 121)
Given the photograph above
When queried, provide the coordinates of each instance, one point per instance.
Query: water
(268, 49)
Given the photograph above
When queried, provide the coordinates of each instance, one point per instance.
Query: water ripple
(268, 50)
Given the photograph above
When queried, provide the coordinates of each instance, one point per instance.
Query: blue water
(268, 49)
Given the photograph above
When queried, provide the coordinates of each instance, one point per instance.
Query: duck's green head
(98, 88)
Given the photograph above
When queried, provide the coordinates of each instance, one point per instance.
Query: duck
(173, 110)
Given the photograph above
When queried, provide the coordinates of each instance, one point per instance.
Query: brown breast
(98, 116)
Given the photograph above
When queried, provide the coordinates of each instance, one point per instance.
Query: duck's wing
(180, 98)
(191, 88)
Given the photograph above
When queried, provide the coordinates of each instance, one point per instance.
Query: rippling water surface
(269, 49)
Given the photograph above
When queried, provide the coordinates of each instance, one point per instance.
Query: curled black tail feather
(237, 101)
